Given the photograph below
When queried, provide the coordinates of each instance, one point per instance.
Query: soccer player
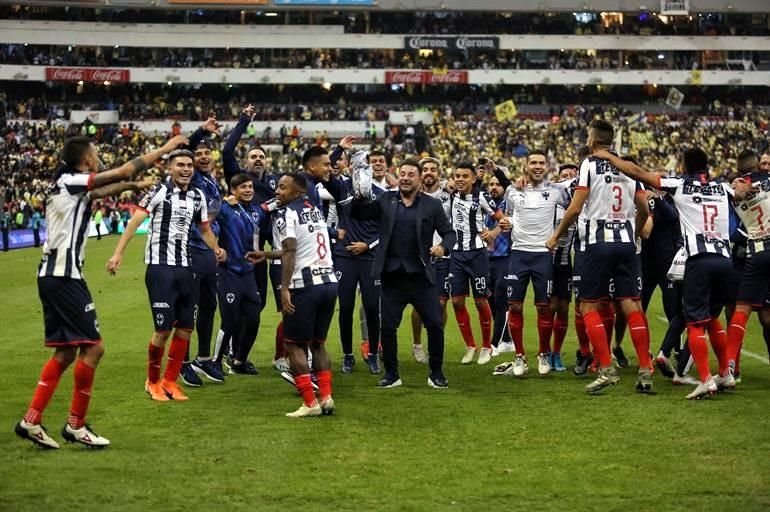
(752, 196)
(469, 261)
(703, 207)
(379, 163)
(203, 261)
(562, 274)
(308, 292)
(432, 186)
(71, 326)
(239, 300)
(499, 249)
(615, 210)
(172, 206)
(531, 212)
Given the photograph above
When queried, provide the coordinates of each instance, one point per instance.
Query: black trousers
(398, 290)
(354, 272)
(204, 265)
(498, 301)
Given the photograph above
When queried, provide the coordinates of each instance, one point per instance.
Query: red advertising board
(60, 74)
(421, 76)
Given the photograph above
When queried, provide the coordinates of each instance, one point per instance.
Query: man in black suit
(408, 219)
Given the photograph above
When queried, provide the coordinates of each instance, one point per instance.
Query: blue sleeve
(338, 188)
(665, 211)
(737, 232)
(196, 138)
(335, 155)
(229, 163)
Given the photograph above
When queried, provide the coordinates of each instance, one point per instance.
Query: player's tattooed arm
(115, 189)
(128, 169)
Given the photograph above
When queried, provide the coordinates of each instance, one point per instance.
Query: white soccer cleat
(684, 380)
(419, 354)
(725, 383)
(35, 433)
(704, 389)
(84, 435)
(543, 364)
(327, 406)
(495, 352)
(505, 369)
(470, 353)
(505, 346)
(520, 366)
(485, 356)
(281, 364)
(306, 412)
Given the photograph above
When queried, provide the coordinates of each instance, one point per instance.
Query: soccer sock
(560, 323)
(154, 361)
(696, 337)
(464, 322)
(607, 313)
(516, 327)
(485, 318)
(735, 333)
(718, 338)
(305, 388)
(280, 350)
(81, 395)
(324, 383)
(46, 386)
(175, 358)
(640, 337)
(544, 330)
(582, 335)
(597, 334)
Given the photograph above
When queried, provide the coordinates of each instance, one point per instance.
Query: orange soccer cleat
(173, 390)
(155, 391)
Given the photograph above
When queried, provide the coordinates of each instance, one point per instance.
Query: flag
(506, 111)
(696, 77)
(675, 98)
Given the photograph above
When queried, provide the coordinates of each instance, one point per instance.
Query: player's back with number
(313, 264)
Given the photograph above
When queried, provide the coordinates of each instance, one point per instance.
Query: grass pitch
(487, 443)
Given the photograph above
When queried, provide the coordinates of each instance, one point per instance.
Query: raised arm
(630, 169)
(229, 163)
(138, 164)
(114, 189)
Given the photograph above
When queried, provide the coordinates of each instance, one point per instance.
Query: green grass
(486, 443)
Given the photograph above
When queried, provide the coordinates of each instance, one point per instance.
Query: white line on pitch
(743, 350)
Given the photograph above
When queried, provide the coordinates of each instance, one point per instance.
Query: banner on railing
(61, 74)
(421, 76)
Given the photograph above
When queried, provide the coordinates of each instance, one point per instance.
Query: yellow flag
(695, 77)
(506, 111)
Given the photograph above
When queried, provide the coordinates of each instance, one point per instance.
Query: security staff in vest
(408, 219)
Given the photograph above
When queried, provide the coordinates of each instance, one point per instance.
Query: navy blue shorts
(704, 290)
(562, 282)
(234, 290)
(173, 296)
(314, 309)
(68, 312)
(275, 281)
(525, 266)
(606, 270)
(204, 267)
(441, 268)
(755, 281)
(469, 266)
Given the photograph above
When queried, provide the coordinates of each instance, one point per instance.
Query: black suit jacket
(430, 218)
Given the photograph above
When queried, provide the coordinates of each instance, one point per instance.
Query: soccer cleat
(684, 380)
(582, 363)
(373, 363)
(327, 406)
(281, 364)
(485, 356)
(495, 352)
(84, 435)
(505, 369)
(348, 362)
(189, 376)
(155, 391)
(520, 366)
(36, 433)
(505, 346)
(208, 369)
(606, 377)
(437, 380)
(306, 412)
(543, 364)
(364, 349)
(620, 357)
(390, 380)
(704, 390)
(173, 391)
(737, 377)
(419, 354)
(470, 353)
(243, 368)
(665, 367)
(725, 383)
(644, 381)
(556, 363)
